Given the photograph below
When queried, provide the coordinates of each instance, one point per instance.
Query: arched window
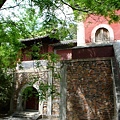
(102, 35)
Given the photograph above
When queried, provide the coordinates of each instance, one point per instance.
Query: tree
(9, 48)
(12, 30)
(55, 18)
(52, 16)
(50, 12)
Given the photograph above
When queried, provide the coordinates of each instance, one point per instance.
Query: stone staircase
(29, 115)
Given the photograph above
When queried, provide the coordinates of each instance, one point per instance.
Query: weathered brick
(89, 90)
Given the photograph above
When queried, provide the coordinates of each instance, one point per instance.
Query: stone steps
(27, 114)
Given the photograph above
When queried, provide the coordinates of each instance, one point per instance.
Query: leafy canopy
(32, 18)
(106, 8)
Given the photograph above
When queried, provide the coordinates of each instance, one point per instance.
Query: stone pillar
(116, 106)
(80, 33)
(41, 107)
(116, 75)
(63, 93)
(49, 103)
(19, 103)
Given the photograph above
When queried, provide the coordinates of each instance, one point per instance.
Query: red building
(90, 74)
(93, 32)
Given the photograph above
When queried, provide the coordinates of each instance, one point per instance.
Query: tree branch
(75, 8)
(2, 2)
(12, 6)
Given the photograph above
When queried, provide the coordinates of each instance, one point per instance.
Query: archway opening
(30, 99)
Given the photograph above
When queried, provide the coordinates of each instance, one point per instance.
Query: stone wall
(88, 90)
(22, 81)
(23, 77)
(56, 98)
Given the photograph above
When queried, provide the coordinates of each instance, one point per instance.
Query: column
(80, 33)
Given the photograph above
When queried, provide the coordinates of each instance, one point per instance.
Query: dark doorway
(30, 99)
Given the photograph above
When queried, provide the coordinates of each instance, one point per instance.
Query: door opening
(30, 99)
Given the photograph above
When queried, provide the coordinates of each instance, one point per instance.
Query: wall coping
(88, 59)
(100, 44)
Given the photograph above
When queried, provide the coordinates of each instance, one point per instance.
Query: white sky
(7, 12)
(8, 3)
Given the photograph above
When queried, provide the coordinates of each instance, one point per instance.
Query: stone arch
(30, 99)
(20, 99)
(110, 30)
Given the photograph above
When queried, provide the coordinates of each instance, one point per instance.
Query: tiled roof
(65, 42)
(34, 38)
(43, 39)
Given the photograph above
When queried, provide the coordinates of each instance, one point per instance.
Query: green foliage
(46, 17)
(9, 54)
(45, 89)
(51, 57)
(6, 86)
(39, 18)
(6, 91)
(27, 93)
(29, 23)
(105, 8)
(43, 17)
(35, 52)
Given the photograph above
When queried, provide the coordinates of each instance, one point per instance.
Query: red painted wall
(93, 52)
(26, 52)
(65, 54)
(116, 29)
(93, 20)
(50, 48)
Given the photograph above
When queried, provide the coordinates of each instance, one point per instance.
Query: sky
(9, 3)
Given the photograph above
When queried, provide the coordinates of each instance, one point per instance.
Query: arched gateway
(28, 99)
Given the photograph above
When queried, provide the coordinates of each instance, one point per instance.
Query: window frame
(110, 30)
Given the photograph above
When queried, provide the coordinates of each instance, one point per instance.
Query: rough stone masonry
(88, 90)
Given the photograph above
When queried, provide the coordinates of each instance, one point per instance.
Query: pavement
(24, 115)
(13, 118)
(28, 115)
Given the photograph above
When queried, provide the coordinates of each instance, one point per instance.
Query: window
(102, 35)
